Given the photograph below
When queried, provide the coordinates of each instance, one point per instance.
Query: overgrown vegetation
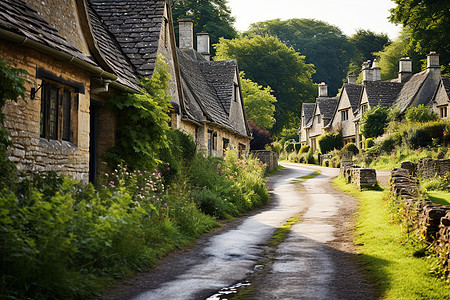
(388, 250)
(60, 239)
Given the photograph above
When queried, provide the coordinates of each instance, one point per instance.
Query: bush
(288, 147)
(369, 143)
(388, 142)
(424, 134)
(330, 141)
(351, 147)
(276, 147)
(293, 157)
(304, 149)
(420, 114)
(374, 121)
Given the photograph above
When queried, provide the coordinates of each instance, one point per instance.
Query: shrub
(369, 143)
(422, 135)
(388, 142)
(310, 157)
(276, 147)
(304, 149)
(351, 147)
(261, 137)
(374, 121)
(330, 141)
(288, 147)
(420, 114)
(293, 157)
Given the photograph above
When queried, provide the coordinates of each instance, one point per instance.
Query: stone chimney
(203, 46)
(186, 33)
(376, 71)
(404, 69)
(323, 90)
(351, 79)
(366, 71)
(433, 62)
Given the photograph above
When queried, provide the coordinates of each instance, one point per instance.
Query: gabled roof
(327, 105)
(446, 84)
(136, 25)
(17, 17)
(308, 111)
(383, 92)
(112, 53)
(353, 93)
(412, 87)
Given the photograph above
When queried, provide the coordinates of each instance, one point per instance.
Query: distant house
(80, 53)
(323, 112)
(306, 118)
(441, 98)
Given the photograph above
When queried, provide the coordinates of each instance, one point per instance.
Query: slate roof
(112, 52)
(17, 17)
(354, 94)
(327, 105)
(383, 92)
(411, 88)
(199, 93)
(136, 25)
(308, 111)
(446, 83)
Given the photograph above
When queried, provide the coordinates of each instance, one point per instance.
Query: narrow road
(315, 261)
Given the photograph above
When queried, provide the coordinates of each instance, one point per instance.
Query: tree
(259, 103)
(374, 121)
(324, 45)
(211, 16)
(420, 114)
(366, 43)
(271, 63)
(428, 22)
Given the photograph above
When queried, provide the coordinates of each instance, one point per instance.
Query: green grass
(388, 253)
(439, 197)
(304, 178)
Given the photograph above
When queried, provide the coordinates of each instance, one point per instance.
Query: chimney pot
(186, 33)
(351, 79)
(433, 60)
(323, 90)
(404, 69)
(203, 45)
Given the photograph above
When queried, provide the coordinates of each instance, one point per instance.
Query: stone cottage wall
(30, 152)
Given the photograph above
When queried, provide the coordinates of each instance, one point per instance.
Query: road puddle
(229, 292)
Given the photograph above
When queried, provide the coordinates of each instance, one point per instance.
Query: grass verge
(389, 254)
(439, 197)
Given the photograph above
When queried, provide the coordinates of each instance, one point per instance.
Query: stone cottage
(307, 113)
(77, 55)
(441, 98)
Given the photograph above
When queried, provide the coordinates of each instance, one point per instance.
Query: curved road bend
(310, 264)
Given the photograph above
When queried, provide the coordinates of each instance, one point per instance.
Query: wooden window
(225, 144)
(57, 109)
(212, 142)
(241, 150)
(344, 115)
(443, 112)
(236, 92)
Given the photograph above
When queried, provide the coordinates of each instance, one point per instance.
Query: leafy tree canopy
(269, 62)
(366, 43)
(211, 16)
(259, 103)
(324, 45)
(374, 121)
(429, 23)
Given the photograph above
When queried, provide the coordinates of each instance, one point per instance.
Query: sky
(348, 15)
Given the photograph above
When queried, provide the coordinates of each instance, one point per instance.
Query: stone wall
(431, 220)
(429, 168)
(267, 157)
(362, 177)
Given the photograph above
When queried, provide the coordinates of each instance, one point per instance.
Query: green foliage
(420, 114)
(143, 121)
(428, 23)
(366, 43)
(289, 76)
(423, 135)
(212, 16)
(330, 141)
(304, 149)
(289, 147)
(276, 147)
(369, 143)
(259, 103)
(324, 45)
(351, 147)
(374, 121)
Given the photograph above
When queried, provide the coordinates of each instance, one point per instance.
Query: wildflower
(165, 204)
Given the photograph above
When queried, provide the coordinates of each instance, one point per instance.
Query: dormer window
(344, 115)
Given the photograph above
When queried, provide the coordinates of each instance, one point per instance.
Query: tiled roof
(308, 111)
(136, 24)
(446, 83)
(112, 52)
(327, 105)
(17, 17)
(383, 92)
(354, 94)
(199, 93)
(410, 89)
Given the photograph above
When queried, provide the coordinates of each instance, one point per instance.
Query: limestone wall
(269, 158)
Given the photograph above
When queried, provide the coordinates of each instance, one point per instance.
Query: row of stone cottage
(80, 53)
(342, 114)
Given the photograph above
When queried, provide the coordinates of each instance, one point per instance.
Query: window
(236, 92)
(319, 119)
(241, 150)
(344, 115)
(226, 143)
(212, 142)
(56, 112)
(364, 108)
(443, 112)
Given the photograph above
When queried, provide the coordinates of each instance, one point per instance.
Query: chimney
(323, 90)
(203, 46)
(186, 33)
(433, 62)
(376, 71)
(367, 72)
(404, 69)
(351, 79)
